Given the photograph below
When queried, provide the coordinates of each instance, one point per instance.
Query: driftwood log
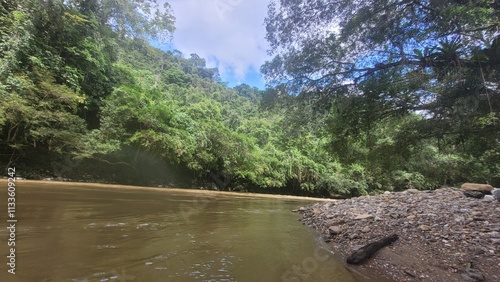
(364, 253)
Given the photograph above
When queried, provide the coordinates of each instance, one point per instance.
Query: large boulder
(485, 188)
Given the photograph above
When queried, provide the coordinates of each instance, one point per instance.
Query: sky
(228, 34)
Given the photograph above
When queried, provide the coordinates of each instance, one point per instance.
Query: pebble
(412, 191)
(335, 230)
(425, 227)
(364, 216)
(488, 198)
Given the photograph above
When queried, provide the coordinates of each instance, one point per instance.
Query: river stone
(477, 187)
(364, 216)
(474, 194)
(496, 193)
(366, 229)
(494, 234)
(476, 213)
(425, 227)
(489, 198)
(335, 230)
(412, 190)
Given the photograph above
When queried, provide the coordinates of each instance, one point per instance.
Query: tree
(423, 73)
(328, 44)
(130, 18)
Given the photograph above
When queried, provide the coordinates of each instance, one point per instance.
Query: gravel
(443, 235)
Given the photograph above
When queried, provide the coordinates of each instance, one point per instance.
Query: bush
(345, 181)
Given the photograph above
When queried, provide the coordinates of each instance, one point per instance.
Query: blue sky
(229, 34)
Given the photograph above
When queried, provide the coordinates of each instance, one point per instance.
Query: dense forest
(362, 97)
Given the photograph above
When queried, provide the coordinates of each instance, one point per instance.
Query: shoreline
(178, 190)
(443, 235)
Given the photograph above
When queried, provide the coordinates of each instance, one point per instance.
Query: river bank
(443, 235)
(3, 182)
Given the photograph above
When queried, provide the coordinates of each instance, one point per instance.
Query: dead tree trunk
(362, 254)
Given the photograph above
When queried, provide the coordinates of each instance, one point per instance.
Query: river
(82, 232)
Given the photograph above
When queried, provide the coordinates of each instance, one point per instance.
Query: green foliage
(344, 180)
(413, 85)
(129, 18)
(388, 96)
(40, 114)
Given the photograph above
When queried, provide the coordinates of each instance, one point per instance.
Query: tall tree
(395, 58)
(328, 43)
(131, 18)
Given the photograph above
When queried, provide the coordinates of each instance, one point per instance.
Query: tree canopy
(130, 18)
(429, 69)
(363, 97)
(324, 44)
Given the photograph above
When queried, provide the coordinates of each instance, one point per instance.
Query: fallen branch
(362, 254)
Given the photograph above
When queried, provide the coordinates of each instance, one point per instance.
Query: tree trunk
(364, 253)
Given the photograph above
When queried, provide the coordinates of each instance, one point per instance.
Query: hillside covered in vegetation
(402, 96)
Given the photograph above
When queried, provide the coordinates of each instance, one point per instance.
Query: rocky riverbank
(443, 235)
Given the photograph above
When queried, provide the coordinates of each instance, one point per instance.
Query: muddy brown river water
(81, 232)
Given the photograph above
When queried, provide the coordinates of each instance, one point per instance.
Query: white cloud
(230, 34)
